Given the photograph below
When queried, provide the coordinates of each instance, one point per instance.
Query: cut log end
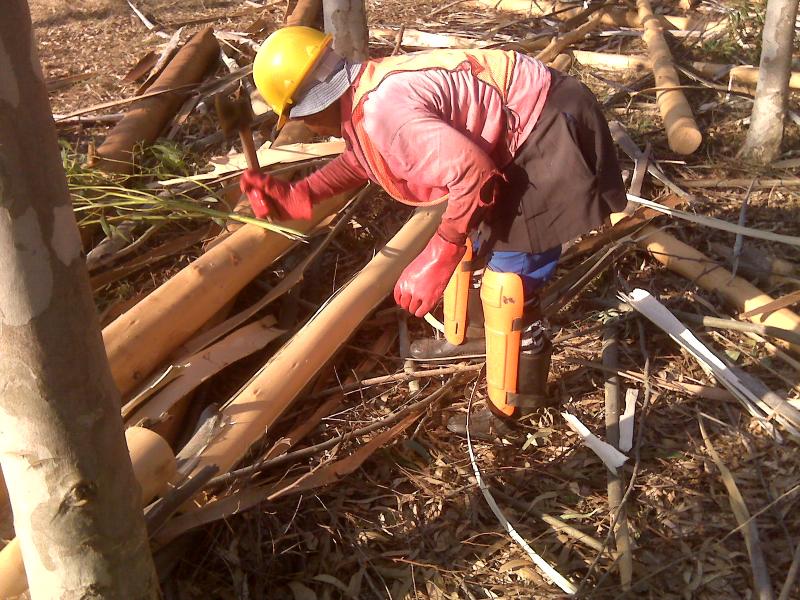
(683, 136)
(562, 62)
(153, 461)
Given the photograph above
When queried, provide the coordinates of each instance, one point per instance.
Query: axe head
(234, 115)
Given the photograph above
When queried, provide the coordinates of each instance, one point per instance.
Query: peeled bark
(346, 20)
(763, 142)
(62, 449)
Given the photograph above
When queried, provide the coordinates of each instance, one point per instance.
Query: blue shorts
(535, 269)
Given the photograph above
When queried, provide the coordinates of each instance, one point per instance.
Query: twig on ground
(739, 241)
(298, 455)
(399, 378)
(615, 480)
(398, 40)
(791, 576)
(637, 460)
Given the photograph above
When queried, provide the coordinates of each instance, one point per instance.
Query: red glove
(270, 196)
(422, 282)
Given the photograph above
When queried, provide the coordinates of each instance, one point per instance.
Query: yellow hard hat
(283, 62)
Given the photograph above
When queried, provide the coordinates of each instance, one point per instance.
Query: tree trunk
(76, 504)
(763, 143)
(346, 20)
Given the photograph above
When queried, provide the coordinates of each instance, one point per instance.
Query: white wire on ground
(545, 567)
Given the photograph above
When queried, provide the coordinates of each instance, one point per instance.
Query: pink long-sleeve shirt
(443, 133)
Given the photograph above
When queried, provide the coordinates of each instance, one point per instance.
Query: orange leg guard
(456, 295)
(503, 301)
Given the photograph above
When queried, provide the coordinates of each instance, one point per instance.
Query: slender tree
(76, 504)
(763, 143)
(346, 20)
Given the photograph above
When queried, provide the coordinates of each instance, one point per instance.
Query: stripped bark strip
(782, 302)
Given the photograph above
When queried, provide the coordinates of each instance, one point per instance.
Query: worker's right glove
(271, 196)
(422, 282)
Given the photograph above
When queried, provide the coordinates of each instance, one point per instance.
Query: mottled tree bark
(346, 20)
(76, 504)
(763, 143)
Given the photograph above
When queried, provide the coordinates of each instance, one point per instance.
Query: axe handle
(249, 147)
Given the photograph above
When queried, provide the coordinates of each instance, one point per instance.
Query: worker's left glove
(422, 282)
(271, 196)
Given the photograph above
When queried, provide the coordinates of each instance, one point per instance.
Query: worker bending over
(521, 154)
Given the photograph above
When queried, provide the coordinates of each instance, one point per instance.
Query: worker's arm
(427, 151)
(283, 200)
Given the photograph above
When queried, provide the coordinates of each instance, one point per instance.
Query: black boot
(485, 425)
(532, 381)
(431, 348)
(488, 425)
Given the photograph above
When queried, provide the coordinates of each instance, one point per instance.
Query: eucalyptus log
(683, 135)
(706, 273)
(737, 74)
(142, 338)
(561, 43)
(305, 12)
(415, 38)
(262, 401)
(757, 263)
(145, 120)
(615, 16)
(562, 62)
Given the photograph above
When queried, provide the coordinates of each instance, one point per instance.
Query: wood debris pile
(271, 360)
